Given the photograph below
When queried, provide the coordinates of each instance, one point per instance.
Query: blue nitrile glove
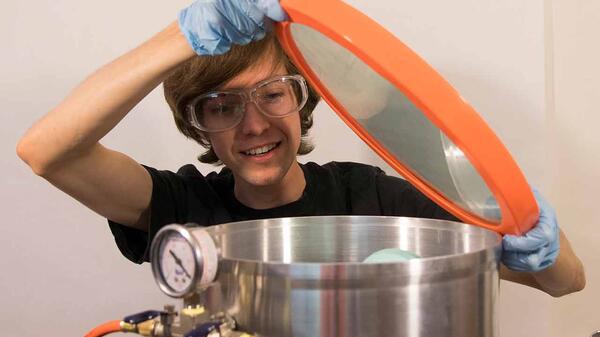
(212, 26)
(536, 249)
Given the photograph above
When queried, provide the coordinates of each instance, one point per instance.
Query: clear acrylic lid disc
(408, 114)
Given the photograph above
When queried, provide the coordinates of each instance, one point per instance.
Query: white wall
(61, 272)
(574, 143)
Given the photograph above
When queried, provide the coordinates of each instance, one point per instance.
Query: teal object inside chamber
(390, 255)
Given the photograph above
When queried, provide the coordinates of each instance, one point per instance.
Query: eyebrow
(273, 73)
(235, 88)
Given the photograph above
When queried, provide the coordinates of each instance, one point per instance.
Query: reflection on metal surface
(307, 279)
(394, 121)
(286, 237)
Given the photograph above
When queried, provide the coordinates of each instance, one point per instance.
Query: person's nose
(254, 122)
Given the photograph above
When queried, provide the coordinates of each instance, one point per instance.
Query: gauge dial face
(177, 263)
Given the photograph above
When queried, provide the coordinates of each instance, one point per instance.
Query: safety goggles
(275, 97)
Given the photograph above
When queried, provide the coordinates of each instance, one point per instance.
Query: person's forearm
(565, 276)
(102, 101)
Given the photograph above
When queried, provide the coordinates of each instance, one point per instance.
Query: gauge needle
(178, 261)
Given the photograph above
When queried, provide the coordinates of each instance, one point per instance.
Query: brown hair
(203, 74)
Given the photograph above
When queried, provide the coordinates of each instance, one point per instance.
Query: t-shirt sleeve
(168, 205)
(399, 198)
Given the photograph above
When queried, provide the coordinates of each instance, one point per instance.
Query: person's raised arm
(63, 146)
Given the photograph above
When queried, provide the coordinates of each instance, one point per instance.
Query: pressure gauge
(183, 258)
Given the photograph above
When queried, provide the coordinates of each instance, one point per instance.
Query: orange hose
(105, 329)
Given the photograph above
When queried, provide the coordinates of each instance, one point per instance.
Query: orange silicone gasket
(428, 91)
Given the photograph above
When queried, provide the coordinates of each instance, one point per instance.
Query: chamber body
(304, 277)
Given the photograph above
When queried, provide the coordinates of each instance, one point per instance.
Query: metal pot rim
(425, 267)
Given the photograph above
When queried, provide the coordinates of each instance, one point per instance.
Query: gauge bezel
(155, 259)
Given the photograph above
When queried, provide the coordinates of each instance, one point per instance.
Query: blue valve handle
(142, 316)
(203, 330)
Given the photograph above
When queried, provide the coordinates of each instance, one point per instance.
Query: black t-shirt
(335, 188)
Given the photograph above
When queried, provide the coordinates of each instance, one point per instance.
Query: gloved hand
(536, 249)
(212, 26)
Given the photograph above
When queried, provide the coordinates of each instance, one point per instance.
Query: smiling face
(260, 150)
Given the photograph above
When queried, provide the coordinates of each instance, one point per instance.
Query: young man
(250, 108)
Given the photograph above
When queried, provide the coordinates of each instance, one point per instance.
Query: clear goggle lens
(276, 97)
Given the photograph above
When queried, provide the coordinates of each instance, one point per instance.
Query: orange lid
(408, 114)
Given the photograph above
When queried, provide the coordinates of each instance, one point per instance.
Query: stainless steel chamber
(304, 277)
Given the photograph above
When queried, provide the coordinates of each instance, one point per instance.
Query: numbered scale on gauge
(177, 263)
(183, 258)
